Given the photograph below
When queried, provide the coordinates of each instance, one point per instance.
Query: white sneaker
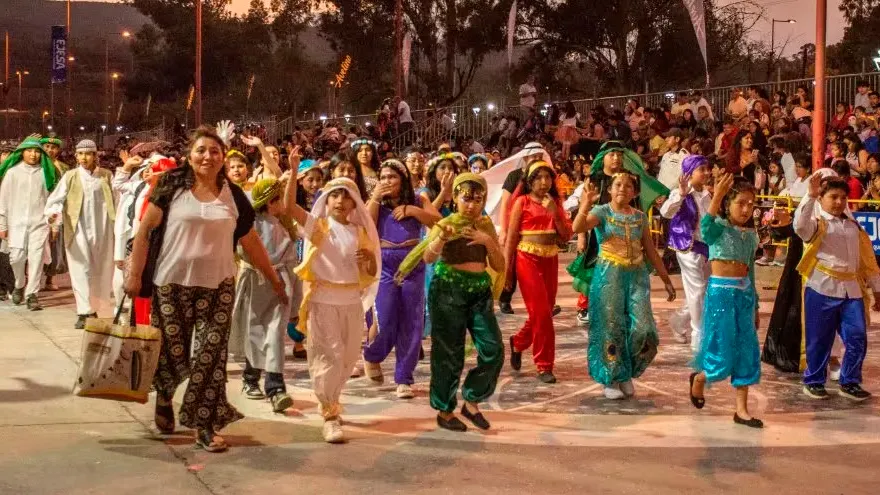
(404, 391)
(333, 431)
(835, 374)
(374, 372)
(627, 388)
(680, 324)
(613, 392)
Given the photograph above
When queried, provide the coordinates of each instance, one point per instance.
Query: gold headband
(538, 165)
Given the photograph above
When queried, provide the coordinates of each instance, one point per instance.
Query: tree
(451, 36)
(857, 46)
(631, 42)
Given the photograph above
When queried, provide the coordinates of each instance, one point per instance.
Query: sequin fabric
(729, 347)
(623, 335)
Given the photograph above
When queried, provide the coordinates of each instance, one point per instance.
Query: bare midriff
(724, 268)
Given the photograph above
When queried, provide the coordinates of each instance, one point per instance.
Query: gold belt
(616, 259)
(542, 250)
(847, 276)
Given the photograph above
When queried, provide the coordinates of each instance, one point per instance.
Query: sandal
(698, 402)
(210, 442)
(164, 416)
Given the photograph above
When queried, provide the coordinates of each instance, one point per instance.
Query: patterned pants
(178, 311)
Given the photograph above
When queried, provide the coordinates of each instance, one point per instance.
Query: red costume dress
(537, 269)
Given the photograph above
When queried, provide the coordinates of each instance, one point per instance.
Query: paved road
(562, 438)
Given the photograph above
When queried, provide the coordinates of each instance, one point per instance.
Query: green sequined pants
(459, 302)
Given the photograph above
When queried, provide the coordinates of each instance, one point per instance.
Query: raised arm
(269, 162)
(584, 220)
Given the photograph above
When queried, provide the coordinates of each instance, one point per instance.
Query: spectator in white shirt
(528, 93)
(670, 164)
(862, 91)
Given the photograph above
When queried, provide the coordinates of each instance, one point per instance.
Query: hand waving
(226, 131)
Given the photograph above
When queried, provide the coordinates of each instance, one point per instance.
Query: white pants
(91, 276)
(32, 256)
(334, 346)
(695, 273)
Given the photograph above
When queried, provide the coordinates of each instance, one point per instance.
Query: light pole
(198, 75)
(773, 42)
(107, 75)
(113, 78)
(69, 102)
(20, 74)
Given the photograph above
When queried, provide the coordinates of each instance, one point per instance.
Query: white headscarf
(360, 217)
(496, 176)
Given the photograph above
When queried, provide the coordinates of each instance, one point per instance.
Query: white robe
(23, 197)
(90, 253)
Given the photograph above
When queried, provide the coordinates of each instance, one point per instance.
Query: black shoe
(451, 424)
(3, 295)
(854, 392)
(280, 401)
(252, 391)
(80, 322)
(698, 402)
(557, 309)
(477, 419)
(33, 303)
(300, 354)
(505, 308)
(815, 391)
(751, 423)
(421, 353)
(515, 357)
(17, 296)
(546, 377)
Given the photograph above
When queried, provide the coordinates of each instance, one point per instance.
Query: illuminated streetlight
(49, 127)
(490, 106)
(82, 128)
(71, 59)
(322, 118)
(476, 111)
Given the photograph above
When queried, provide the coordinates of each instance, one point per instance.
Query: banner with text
(870, 221)
(59, 54)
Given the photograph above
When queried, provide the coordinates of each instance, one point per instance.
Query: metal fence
(476, 118)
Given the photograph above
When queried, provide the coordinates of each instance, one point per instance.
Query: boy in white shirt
(27, 177)
(839, 267)
(684, 208)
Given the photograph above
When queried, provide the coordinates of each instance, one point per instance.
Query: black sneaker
(583, 317)
(515, 357)
(252, 391)
(557, 309)
(17, 296)
(815, 391)
(505, 308)
(854, 392)
(546, 377)
(33, 303)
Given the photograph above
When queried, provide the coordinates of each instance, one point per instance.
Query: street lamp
(490, 106)
(108, 83)
(476, 111)
(20, 74)
(773, 41)
(113, 78)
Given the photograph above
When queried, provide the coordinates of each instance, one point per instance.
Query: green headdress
(52, 140)
(264, 191)
(31, 142)
(651, 188)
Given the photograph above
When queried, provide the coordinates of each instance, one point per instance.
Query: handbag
(117, 362)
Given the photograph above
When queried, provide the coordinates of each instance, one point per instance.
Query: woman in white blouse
(190, 229)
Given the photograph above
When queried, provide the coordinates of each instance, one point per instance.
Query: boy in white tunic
(83, 204)
(27, 177)
(339, 273)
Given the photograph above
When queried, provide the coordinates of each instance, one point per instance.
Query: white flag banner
(405, 55)
(511, 33)
(698, 18)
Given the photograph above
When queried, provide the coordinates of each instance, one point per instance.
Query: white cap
(86, 146)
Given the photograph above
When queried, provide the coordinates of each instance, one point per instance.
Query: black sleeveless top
(457, 252)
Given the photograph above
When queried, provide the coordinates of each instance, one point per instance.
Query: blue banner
(870, 221)
(59, 54)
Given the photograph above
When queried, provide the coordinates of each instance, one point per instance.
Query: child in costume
(259, 317)
(684, 208)
(466, 251)
(340, 271)
(623, 335)
(840, 271)
(83, 204)
(400, 305)
(729, 345)
(538, 223)
(27, 176)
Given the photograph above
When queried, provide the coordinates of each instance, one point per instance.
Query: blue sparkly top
(620, 235)
(727, 242)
